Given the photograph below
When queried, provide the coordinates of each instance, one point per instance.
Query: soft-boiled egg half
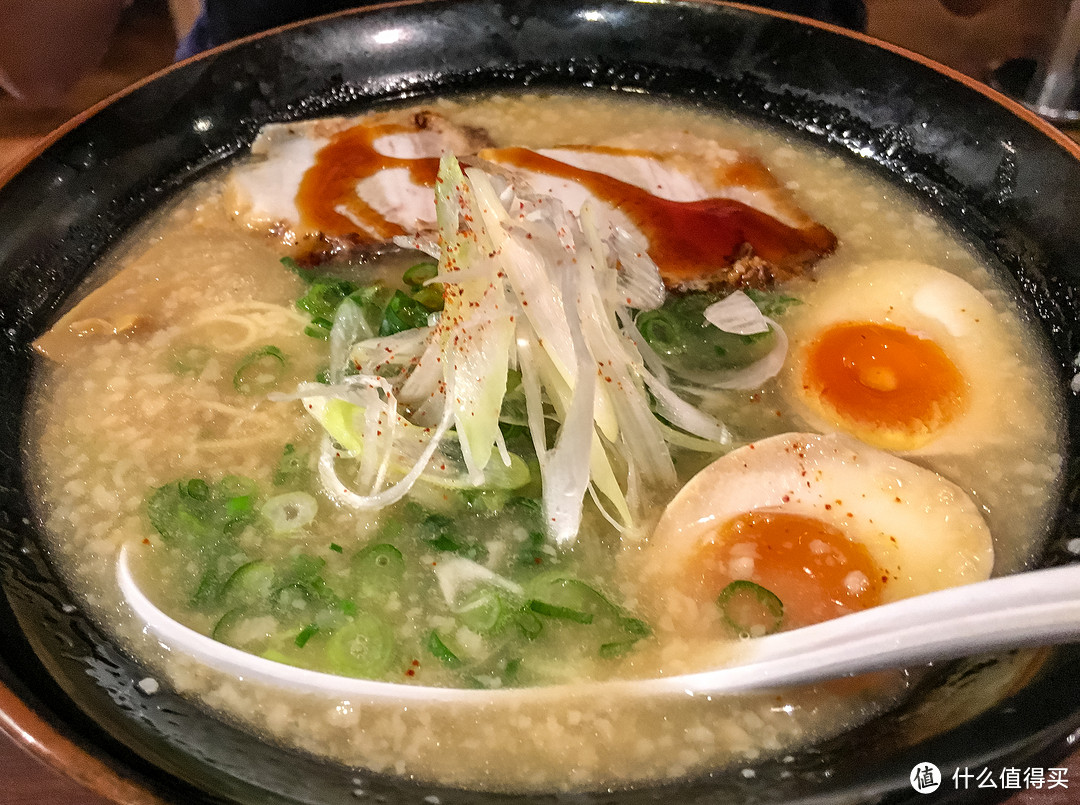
(902, 355)
(800, 528)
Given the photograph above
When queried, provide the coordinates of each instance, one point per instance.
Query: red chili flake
(786, 498)
(828, 506)
(416, 663)
(410, 672)
(538, 560)
(146, 541)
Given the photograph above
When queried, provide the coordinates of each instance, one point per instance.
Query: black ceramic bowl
(1004, 179)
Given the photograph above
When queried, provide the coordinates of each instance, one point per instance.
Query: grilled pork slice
(712, 216)
(345, 184)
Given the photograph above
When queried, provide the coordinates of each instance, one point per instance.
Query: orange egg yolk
(815, 571)
(883, 384)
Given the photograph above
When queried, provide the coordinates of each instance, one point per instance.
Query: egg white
(932, 304)
(918, 527)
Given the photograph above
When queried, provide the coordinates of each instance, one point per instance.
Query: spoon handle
(1034, 608)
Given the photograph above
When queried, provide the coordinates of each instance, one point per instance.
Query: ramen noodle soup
(534, 397)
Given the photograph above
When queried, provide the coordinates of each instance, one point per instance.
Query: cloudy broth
(185, 400)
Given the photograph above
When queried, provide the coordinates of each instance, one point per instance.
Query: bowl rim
(45, 741)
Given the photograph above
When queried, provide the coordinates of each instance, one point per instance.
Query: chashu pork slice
(334, 184)
(711, 216)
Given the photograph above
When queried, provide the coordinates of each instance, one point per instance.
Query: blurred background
(976, 37)
(973, 36)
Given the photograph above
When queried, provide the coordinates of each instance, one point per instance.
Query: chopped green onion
(430, 296)
(688, 344)
(530, 625)
(191, 360)
(441, 533)
(336, 548)
(238, 628)
(292, 466)
(484, 610)
(306, 274)
(532, 553)
(377, 570)
(636, 627)
(249, 583)
(616, 649)
(306, 634)
(512, 669)
(362, 646)
(198, 489)
(237, 485)
(305, 568)
(771, 303)
(441, 651)
(559, 612)
(238, 505)
(420, 273)
(259, 371)
(403, 313)
(750, 609)
(289, 511)
(324, 296)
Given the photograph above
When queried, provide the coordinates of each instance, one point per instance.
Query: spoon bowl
(1035, 608)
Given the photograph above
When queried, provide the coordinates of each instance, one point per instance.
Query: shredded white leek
(531, 286)
(736, 313)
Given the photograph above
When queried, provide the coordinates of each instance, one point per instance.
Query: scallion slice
(561, 613)
(403, 313)
(750, 609)
(377, 570)
(306, 634)
(290, 511)
(198, 489)
(362, 647)
(260, 371)
(441, 651)
(251, 583)
(420, 273)
(484, 610)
